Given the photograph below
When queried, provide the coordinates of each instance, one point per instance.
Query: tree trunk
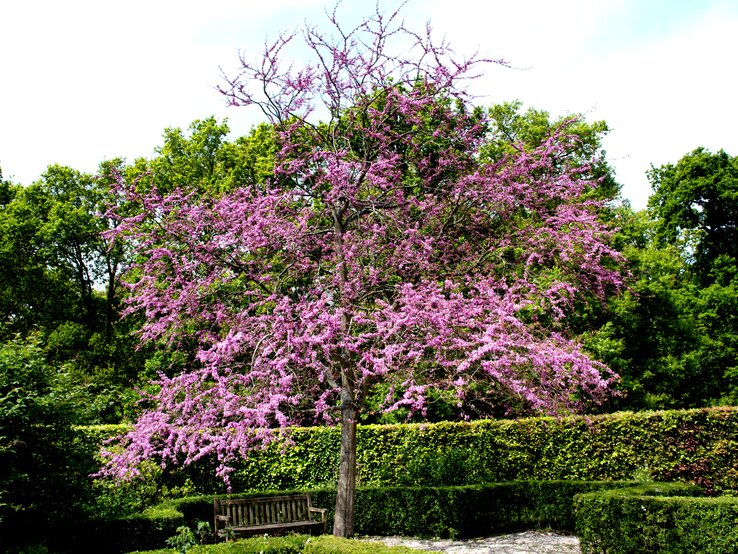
(110, 303)
(343, 525)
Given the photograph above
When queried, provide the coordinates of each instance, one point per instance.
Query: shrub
(183, 540)
(43, 484)
(613, 517)
(467, 511)
(665, 518)
(290, 544)
(470, 510)
(149, 529)
(696, 446)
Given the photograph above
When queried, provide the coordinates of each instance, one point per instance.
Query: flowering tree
(382, 251)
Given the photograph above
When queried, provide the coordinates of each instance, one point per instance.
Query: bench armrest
(222, 518)
(320, 511)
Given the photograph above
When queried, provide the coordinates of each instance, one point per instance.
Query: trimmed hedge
(662, 518)
(471, 510)
(146, 530)
(613, 517)
(697, 446)
(450, 512)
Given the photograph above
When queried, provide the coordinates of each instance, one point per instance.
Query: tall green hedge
(697, 446)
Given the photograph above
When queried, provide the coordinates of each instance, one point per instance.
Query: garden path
(528, 542)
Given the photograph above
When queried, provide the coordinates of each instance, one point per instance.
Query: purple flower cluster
(382, 251)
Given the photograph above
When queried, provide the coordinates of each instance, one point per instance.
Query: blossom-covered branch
(382, 250)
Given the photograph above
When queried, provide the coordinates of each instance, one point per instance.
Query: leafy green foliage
(450, 467)
(472, 510)
(326, 544)
(600, 511)
(674, 337)
(204, 160)
(297, 544)
(183, 540)
(42, 479)
(52, 251)
(6, 190)
(449, 512)
(32, 291)
(673, 340)
(695, 203)
(45, 459)
(512, 130)
(696, 446)
(656, 518)
(59, 276)
(53, 265)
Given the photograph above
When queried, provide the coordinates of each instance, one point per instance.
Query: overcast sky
(85, 81)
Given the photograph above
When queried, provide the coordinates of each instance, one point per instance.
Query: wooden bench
(266, 515)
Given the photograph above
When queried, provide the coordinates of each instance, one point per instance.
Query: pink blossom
(382, 251)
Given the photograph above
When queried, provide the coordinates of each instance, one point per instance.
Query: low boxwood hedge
(470, 510)
(327, 544)
(146, 530)
(664, 518)
(608, 516)
(449, 512)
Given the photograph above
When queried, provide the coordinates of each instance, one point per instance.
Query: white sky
(83, 81)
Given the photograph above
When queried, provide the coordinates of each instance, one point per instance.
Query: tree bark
(343, 525)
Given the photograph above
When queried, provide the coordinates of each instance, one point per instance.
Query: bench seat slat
(279, 526)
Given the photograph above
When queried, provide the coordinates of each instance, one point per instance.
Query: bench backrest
(248, 512)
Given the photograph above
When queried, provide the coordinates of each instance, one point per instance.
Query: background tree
(5, 190)
(695, 205)
(382, 250)
(32, 291)
(512, 130)
(204, 159)
(693, 212)
(673, 336)
(71, 234)
(41, 484)
(60, 280)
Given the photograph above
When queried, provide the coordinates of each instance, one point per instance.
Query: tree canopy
(511, 130)
(674, 336)
(695, 203)
(383, 249)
